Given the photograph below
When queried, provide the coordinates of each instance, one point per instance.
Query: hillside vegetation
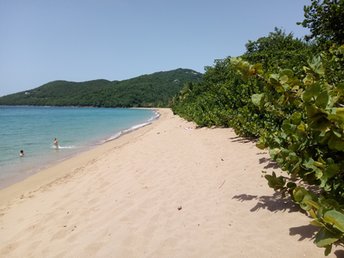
(289, 95)
(153, 90)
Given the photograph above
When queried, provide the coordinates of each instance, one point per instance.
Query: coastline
(48, 162)
(165, 190)
(51, 171)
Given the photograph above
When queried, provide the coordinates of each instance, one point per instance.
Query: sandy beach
(165, 190)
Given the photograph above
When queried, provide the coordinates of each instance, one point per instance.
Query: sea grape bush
(298, 114)
(223, 98)
(294, 107)
(307, 139)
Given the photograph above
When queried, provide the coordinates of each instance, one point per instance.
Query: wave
(156, 116)
(113, 137)
(64, 147)
(133, 128)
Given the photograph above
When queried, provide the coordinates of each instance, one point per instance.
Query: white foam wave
(64, 147)
(133, 128)
(113, 137)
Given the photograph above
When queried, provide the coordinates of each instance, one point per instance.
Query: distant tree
(278, 50)
(325, 20)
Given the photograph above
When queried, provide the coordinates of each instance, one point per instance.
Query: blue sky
(79, 40)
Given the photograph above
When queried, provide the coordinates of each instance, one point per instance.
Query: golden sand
(165, 190)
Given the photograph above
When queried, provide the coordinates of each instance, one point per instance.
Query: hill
(152, 90)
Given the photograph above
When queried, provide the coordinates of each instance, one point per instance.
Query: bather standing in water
(56, 143)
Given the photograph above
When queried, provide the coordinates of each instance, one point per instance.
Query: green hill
(153, 90)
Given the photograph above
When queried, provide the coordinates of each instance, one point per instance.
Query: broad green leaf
(274, 152)
(335, 218)
(258, 68)
(284, 79)
(325, 238)
(286, 86)
(313, 204)
(322, 99)
(331, 170)
(257, 99)
(329, 204)
(319, 164)
(324, 137)
(338, 134)
(317, 118)
(309, 163)
(309, 79)
(279, 88)
(328, 250)
(274, 79)
(299, 193)
(337, 114)
(303, 204)
(296, 118)
(291, 185)
(318, 173)
(316, 65)
(301, 127)
(330, 161)
(336, 143)
(316, 223)
(341, 49)
(261, 144)
(288, 128)
(306, 69)
(287, 72)
(274, 181)
(311, 92)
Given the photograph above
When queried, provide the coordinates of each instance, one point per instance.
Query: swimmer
(56, 143)
(21, 153)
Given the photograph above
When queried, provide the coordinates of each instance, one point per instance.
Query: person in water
(21, 153)
(56, 143)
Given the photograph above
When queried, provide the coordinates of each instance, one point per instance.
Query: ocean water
(33, 130)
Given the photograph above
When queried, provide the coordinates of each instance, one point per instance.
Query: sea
(33, 130)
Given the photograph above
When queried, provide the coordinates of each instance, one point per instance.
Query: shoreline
(166, 190)
(134, 127)
(47, 174)
(26, 173)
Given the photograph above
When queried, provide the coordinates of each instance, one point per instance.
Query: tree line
(153, 90)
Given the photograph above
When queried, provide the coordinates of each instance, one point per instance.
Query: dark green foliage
(211, 101)
(223, 98)
(154, 90)
(306, 137)
(278, 50)
(297, 111)
(325, 19)
(291, 96)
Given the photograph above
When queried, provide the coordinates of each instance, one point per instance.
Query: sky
(80, 40)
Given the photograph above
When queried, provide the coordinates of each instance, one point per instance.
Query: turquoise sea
(33, 130)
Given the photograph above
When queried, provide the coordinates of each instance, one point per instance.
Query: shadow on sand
(242, 139)
(272, 203)
(270, 163)
(276, 203)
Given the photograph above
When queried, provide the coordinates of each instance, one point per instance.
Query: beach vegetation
(325, 20)
(308, 141)
(288, 94)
